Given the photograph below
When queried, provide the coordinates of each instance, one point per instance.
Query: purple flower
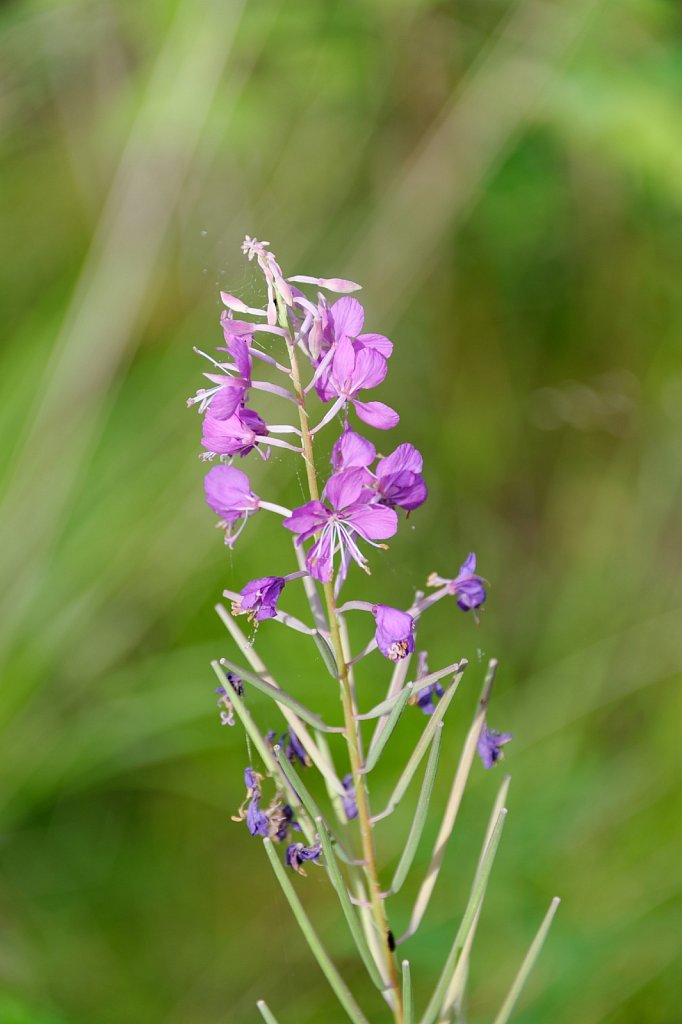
(259, 598)
(257, 821)
(425, 697)
(467, 585)
(294, 749)
(229, 386)
(297, 853)
(394, 633)
(490, 744)
(291, 745)
(350, 515)
(236, 435)
(252, 781)
(350, 807)
(229, 494)
(399, 480)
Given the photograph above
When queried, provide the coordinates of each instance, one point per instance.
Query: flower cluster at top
(356, 508)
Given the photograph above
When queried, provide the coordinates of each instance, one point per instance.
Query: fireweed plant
(354, 505)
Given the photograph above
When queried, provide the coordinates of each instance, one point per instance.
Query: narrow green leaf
(346, 906)
(455, 993)
(417, 684)
(528, 964)
(408, 997)
(341, 990)
(419, 819)
(280, 696)
(398, 677)
(376, 749)
(453, 804)
(326, 653)
(420, 749)
(475, 899)
(265, 1012)
(335, 793)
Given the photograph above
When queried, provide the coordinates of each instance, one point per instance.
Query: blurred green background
(505, 178)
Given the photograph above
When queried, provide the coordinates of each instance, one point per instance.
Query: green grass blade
(455, 992)
(420, 749)
(349, 912)
(341, 990)
(453, 804)
(528, 964)
(419, 819)
(280, 696)
(472, 908)
(408, 996)
(266, 1013)
(375, 749)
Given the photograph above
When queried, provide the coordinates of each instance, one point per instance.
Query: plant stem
(352, 739)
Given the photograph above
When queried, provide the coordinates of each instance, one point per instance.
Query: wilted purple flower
(467, 585)
(229, 494)
(350, 807)
(349, 515)
(281, 819)
(490, 744)
(294, 749)
(399, 479)
(259, 598)
(297, 853)
(291, 745)
(425, 697)
(252, 781)
(236, 435)
(224, 702)
(257, 821)
(394, 633)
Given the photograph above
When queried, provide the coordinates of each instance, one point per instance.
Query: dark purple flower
(291, 745)
(467, 585)
(252, 782)
(236, 435)
(425, 697)
(297, 853)
(398, 478)
(490, 744)
(394, 633)
(350, 807)
(257, 821)
(294, 749)
(229, 494)
(259, 598)
(350, 515)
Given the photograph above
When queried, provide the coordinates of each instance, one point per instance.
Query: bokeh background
(505, 178)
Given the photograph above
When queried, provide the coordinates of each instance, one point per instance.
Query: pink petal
(404, 457)
(376, 414)
(332, 284)
(352, 451)
(319, 558)
(307, 519)
(370, 369)
(226, 401)
(373, 522)
(347, 316)
(379, 342)
(343, 364)
(344, 488)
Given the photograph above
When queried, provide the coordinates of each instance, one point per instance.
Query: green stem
(351, 727)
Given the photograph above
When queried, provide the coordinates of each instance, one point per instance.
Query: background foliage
(505, 178)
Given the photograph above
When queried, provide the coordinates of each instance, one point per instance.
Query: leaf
(419, 818)
(376, 749)
(528, 964)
